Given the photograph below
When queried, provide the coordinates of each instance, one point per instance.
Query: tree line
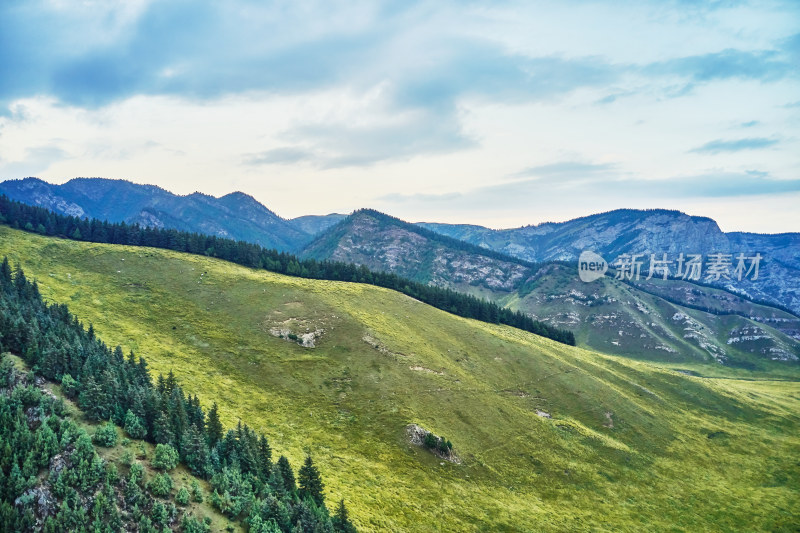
(247, 483)
(39, 220)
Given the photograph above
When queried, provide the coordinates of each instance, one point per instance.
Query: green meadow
(628, 445)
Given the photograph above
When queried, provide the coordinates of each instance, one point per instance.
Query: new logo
(591, 266)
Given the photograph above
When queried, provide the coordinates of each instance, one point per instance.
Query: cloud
(279, 156)
(564, 181)
(737, 145)
(763, 65)
(36, 160)
(204, 49)
(567, 169)
(421, 78)
(197, 49)
(750, 123)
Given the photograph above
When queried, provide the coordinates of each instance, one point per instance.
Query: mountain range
(653, 319)
(658, 231)
(236, 215)
(530, 269)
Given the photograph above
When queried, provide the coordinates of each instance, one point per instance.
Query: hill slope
(627, 443)
(648, 320)
(39, 502)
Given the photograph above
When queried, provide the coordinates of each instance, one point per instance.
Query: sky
(495, 113)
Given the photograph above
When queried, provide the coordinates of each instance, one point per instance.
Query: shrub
(69, 386)
(190, 524)
(182, 498)
(161, 485)
(197, 492)
(106, 435)
(166, 457)
(134, 426)
(136, 474)
(127, 458)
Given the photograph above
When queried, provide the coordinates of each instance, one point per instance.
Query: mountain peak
(238, 196)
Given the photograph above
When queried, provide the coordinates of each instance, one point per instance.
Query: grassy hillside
(628, 443)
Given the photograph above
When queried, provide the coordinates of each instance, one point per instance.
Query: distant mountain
(381, 242)
(236, 215)
(657, 319)
(648, 231)
(315, 224)
(670, 320)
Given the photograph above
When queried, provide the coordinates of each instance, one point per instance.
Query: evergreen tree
(311, 485)
(182, 496)
(162, 432)
(341, 520)
(165, 458)
(213, 426)
(287, 475)
(134, 426)
(106, 435)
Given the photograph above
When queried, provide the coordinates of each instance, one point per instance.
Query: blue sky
(497, 113)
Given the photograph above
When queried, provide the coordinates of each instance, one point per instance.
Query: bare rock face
(41, 500)
(58, 463)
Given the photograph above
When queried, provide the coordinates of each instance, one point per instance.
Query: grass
(630, 445)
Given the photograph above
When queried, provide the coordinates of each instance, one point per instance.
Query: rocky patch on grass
(306, 340)
(438, 446)
(418, 368)
(305, 331)
(378, 345)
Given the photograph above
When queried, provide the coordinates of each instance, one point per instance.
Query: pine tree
(5, 272)
(264, 456)
(213, 426)
(162, 432)
(195, 451)
(134, 426)
(286, 473)
(311, 485)
(341, 520)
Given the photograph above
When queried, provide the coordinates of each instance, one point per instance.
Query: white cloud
(320, 108)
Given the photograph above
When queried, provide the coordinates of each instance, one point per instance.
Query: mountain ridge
(235, 215)
(239, 216)
(658, 231)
